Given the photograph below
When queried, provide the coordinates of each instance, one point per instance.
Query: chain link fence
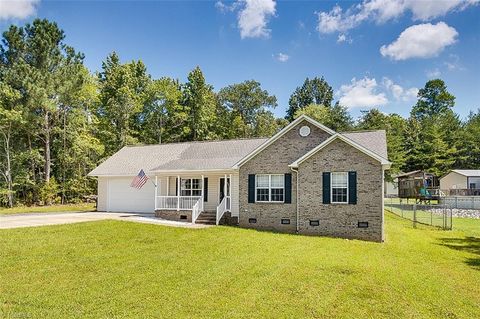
(437, 215)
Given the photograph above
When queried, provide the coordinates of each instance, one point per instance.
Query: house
(306, 178)
(461, 182)
(391, 188)
(409, 184)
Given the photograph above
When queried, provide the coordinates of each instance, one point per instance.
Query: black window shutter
(176, 186)
(288, 188)
(251, 188)
(205, 189)
(326, 187)
(352, 188)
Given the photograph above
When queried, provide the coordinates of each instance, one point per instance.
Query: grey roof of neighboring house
(467, 172)
(375, 141)
(206, 155)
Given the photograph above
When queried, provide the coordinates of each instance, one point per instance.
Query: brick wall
(341, 220)
(174, 215)
(275, 160)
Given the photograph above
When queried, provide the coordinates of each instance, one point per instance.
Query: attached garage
(116, 195)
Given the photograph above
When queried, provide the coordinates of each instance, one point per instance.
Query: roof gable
(350, 142)
(281, 133)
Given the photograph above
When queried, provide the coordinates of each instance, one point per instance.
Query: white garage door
(123, 198)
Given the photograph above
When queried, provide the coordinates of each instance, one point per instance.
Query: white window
(270, 188)
(190, 187)
(339, 187)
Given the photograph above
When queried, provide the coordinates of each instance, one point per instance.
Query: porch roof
(188, 156)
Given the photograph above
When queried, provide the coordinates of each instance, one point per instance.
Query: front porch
(202, 198)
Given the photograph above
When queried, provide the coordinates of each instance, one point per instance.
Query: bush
(48, 192)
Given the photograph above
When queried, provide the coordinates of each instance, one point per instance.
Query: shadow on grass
(469, 244)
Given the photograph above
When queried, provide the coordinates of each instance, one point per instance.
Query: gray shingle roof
(375, 141)
(468, 172)
(177, 156)
(208, 155)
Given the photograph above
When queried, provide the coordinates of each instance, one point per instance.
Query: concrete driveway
(44, 219)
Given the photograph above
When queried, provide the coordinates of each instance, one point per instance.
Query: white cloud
(427, 10)
(225, 7)
(361, 93)
(253, 18)
(17, 9)
(435, 73)
(420, 41)
(282, 57)
(381, 11)
(454, 63)
(398, 92)
(342, 37)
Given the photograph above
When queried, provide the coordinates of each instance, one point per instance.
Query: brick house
(306, 179)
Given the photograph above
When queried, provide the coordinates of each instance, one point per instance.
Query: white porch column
(225, 188)
(168, 185)
(156, 192)
(203, 192)
(230, 190)
(178, 193)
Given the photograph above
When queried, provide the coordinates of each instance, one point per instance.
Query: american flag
(139, 180)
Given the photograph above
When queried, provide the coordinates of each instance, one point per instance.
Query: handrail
(176, 202)
(221, 209)
(196, 210)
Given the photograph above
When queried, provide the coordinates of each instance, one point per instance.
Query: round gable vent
(304, 131)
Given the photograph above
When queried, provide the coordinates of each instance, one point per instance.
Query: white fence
(177, 202)
(461, 202)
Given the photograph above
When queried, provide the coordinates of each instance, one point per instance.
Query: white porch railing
(196, 210)
(178, 202)
(221, 209)
(224, 206)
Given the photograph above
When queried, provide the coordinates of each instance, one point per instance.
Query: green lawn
(115, 269)
(82, 207)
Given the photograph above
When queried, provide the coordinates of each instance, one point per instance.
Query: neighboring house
(391, 188)
(307, 179)
(461, 182)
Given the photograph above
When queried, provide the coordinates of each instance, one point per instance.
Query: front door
(222, 192)
(222, 188)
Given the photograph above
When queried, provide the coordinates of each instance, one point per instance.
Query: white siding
(102, 194)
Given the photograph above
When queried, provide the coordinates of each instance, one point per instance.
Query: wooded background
(58, 120)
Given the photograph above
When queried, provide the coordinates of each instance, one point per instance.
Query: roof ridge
(363, 131)
(199, 142)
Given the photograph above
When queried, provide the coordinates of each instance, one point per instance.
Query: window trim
(191, 189)
(270, 188)
(331, 188)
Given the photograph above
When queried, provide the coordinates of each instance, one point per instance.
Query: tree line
(58, 120)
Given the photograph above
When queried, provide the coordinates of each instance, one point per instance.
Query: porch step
(207, 218)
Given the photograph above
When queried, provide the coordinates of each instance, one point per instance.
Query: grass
(114, 269)
(426, 217)
(82, 207)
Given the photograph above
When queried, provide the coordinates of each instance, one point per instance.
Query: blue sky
(375, 53)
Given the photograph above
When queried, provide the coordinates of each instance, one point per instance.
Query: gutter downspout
(296, 198)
